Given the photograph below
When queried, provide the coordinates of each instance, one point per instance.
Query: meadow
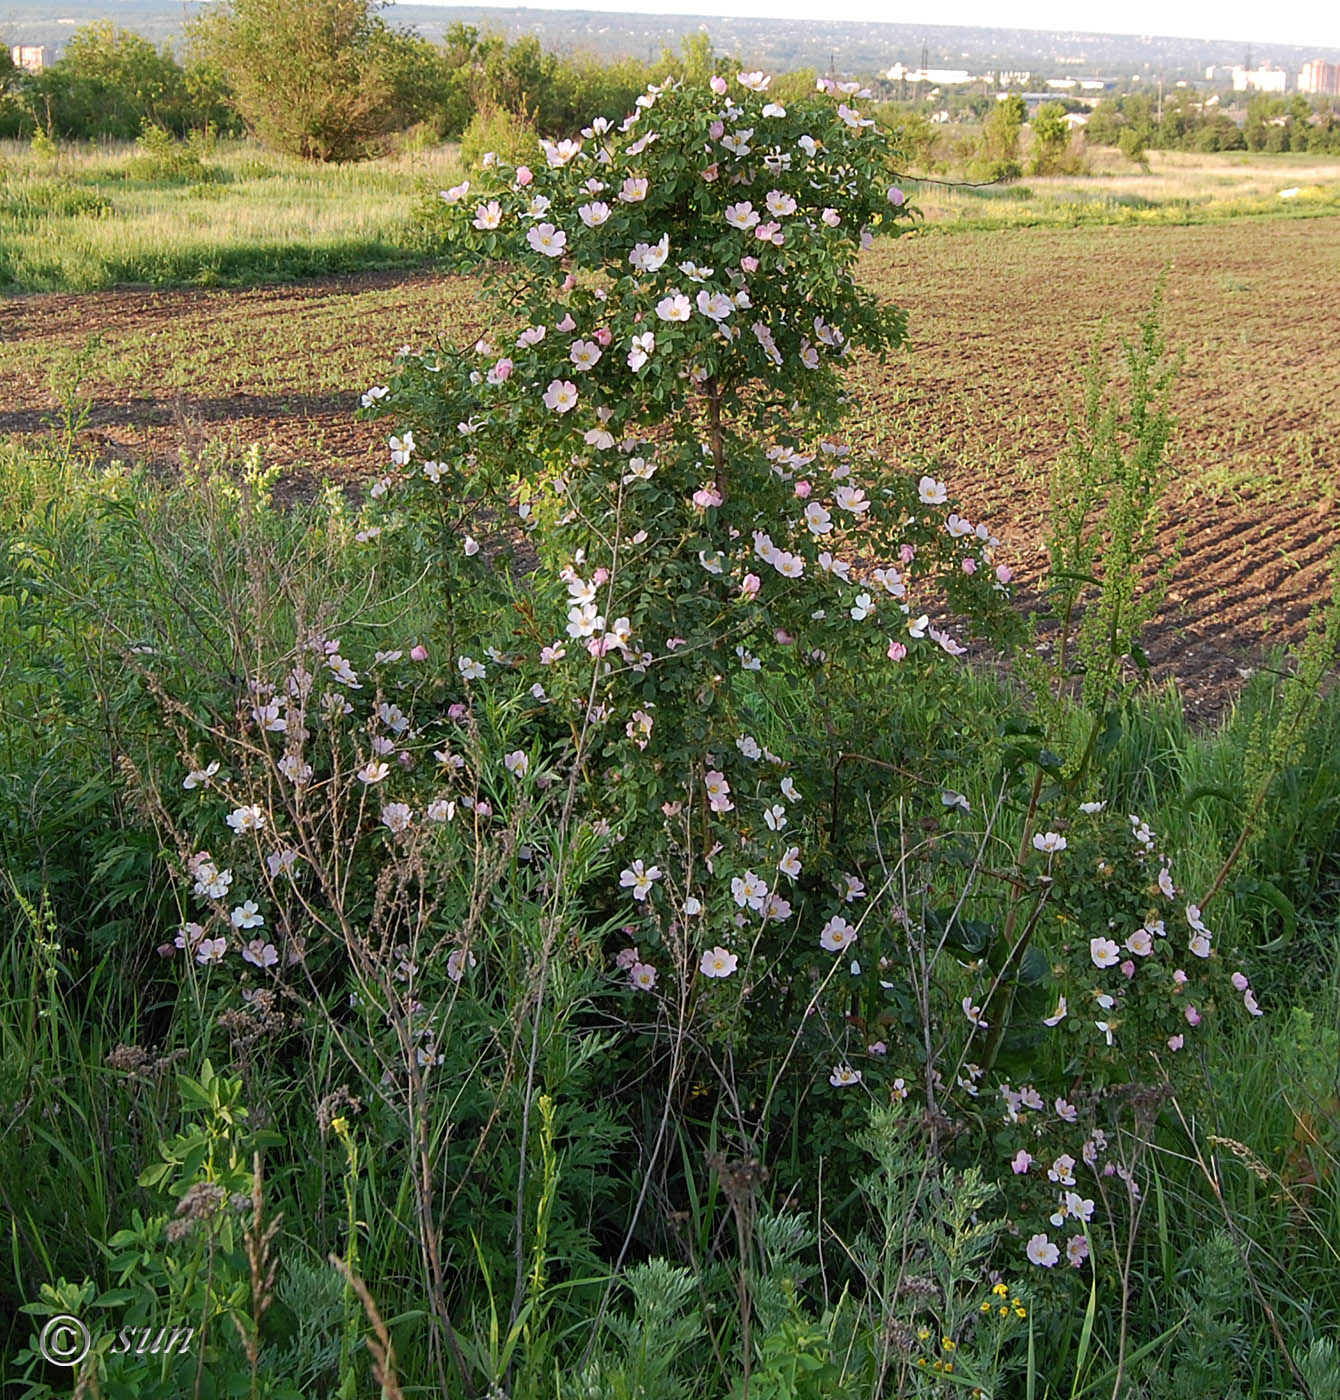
(421, 985)
(91, 217)
(85, 218)
(1168, 187)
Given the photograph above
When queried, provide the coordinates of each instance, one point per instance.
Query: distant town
(909, 62)
(1316, 76)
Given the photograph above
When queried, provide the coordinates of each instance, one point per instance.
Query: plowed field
(1000, 326)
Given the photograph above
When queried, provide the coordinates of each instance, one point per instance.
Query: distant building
(1032, 100)
(32, 58)
(1076, 120)
(941, 77)
(1259, 79)
(1320, 76)
(1063, 84)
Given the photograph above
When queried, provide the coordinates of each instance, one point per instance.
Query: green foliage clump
(160, 157)
(110, 83)
(997, 156)
(325, 81)
(504, 134)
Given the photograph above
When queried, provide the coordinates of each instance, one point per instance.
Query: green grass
(1071, 204)
(83, 221)
(93, 561)
(1174, 188)
(89, 218)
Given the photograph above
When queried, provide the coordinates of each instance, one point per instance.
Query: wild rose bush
(660, 427)
(729, 676)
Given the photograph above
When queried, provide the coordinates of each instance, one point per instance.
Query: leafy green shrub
(499, 132)
(326, 80)
(161, 157)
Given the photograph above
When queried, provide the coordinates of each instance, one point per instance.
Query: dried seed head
(337, 1104)
(899, 1336)
(916, 1286)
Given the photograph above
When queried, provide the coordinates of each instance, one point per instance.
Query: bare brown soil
(1000, 325)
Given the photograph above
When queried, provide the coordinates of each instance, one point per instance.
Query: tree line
(332, 80)
(1188, 120)
(326, 80)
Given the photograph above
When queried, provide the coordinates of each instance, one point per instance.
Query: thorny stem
(742, 1234)
(714, 427)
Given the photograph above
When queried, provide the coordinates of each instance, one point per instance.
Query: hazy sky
(1313, 22)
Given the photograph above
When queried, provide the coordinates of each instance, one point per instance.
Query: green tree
(464, 51)
(519, 78)
(914, 136)
(12, 115)
(1261, 112)
(1001, 130)
(1051, 136)
(1105, 123)
(112, 83)
(1132, 144)
(998, 156)
(696, 60)
(324, 79)
(583, 87)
